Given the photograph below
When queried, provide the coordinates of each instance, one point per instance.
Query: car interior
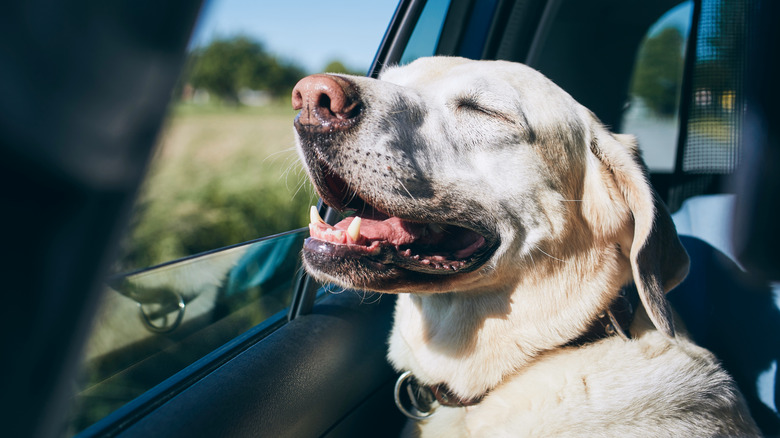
(267, 351)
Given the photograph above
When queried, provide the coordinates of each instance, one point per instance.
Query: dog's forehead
(426, 71)
(449, 76)
(499, 85)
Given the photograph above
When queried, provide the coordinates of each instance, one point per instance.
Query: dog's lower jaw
(443, 338)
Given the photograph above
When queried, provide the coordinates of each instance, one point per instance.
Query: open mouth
(372, 235)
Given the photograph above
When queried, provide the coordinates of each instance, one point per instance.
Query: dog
(515, 229)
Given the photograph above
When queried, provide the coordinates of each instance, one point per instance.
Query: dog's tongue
(367, 234)
(394, 231)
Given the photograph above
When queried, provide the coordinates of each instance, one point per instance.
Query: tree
(658, 71)
(226, 66)
(336, 66)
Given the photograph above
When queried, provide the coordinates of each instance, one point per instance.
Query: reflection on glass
(425, 36)
(154, 323)
(652, 112)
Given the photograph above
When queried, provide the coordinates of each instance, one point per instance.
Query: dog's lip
(410, 245)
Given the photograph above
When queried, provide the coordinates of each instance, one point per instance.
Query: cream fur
(577, 220)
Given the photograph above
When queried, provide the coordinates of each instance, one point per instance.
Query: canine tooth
(354, 229)
(314, 216)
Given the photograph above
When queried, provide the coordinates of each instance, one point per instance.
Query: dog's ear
(658, 260)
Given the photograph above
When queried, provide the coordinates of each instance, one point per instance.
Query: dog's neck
(472, 341)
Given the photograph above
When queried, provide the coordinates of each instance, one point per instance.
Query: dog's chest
(611, 387)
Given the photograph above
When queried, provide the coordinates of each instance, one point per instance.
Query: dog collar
(423, 399)
(614, 321)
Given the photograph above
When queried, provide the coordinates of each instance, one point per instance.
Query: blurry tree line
(189, 205)
(226, 66)
(658, 71)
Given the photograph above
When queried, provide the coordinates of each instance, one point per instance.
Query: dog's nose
(325, 101)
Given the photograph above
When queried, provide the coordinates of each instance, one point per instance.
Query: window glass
(425, 36)
(652, 111)
(225, 171)
(154, 323)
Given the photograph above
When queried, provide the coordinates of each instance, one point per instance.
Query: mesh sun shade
(717, 96)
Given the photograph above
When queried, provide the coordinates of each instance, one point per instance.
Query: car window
(425, 36)
(212, 249)
(652, 110)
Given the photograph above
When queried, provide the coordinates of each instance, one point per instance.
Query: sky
(314, 32)
(309, 32)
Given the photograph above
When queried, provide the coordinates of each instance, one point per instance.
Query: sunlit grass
(220, 175)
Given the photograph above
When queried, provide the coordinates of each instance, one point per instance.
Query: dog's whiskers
(301, 186)
(288, 172)
(274, 155)
(353, 194)
(334, 289)
(407, 190)
(365, 296)
(550, 256)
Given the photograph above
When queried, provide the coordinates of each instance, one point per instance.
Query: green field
(219, 176)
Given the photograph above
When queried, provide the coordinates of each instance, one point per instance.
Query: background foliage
(224, 172)
(225, 66)
(658, 71)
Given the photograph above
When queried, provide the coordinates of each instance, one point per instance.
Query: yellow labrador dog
(509, 220)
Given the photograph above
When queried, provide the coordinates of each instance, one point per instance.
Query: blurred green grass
(220, 175)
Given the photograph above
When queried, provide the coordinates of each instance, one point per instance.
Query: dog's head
(473, 175)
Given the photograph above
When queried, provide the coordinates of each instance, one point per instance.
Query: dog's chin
(351, 273)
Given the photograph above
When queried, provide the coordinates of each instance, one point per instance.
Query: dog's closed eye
(469, 103)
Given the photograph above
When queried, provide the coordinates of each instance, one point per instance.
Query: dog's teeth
(354, 229)
(314, 216)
